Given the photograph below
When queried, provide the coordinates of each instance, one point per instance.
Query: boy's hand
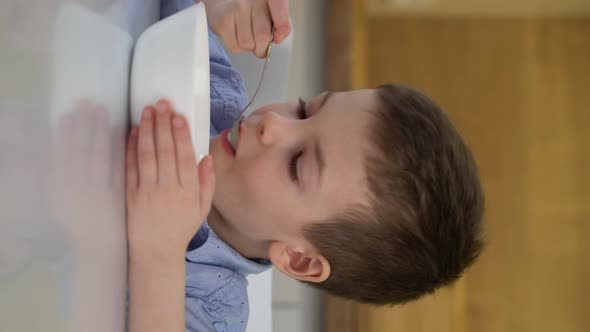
(168, 195)
(245, 25)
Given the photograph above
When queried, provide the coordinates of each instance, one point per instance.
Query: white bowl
(171, 60)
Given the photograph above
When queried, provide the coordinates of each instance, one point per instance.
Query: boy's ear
(297, 264)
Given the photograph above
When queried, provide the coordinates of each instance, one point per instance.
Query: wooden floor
(519, 90)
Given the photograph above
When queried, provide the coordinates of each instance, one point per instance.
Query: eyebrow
(317, 148)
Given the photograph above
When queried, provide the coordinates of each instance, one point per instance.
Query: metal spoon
(235, 129)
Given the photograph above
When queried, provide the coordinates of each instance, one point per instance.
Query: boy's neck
(244, 246)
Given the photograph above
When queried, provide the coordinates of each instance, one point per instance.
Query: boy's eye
(301, 111)
(301, 114)
(293, 166)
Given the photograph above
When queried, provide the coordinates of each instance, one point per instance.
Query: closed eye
(293, 166)
(301, 110)
(301, 114)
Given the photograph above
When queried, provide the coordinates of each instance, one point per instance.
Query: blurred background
(514, 77)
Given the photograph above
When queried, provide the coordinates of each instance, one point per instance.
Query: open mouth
(225, 143)
(233, 136)
(232, 142)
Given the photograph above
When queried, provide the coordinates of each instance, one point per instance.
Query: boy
(369, 194)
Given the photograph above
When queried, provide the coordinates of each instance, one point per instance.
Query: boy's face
(276, 182)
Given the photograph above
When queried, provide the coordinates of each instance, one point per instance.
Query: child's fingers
(131, 160)
(146, 154)
(206, 185)
(243, 20)
(165, 154)
(185, 154)
(279, 10)
(261, 25)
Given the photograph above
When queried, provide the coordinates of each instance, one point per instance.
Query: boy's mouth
(225, 143)
(234, 134)
(232, 141)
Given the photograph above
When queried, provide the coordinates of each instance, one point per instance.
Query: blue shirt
(216, 297)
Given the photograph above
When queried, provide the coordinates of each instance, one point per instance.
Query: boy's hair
(423, 225)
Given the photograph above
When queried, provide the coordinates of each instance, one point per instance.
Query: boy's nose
(270, 127)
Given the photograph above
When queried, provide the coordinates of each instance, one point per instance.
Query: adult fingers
(227, 32)
(279, 11)
(243, 18)
(261, 25)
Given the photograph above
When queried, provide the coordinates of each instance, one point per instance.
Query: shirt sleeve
(169, 7)
(228, 92)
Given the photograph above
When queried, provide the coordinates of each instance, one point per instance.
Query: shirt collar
(207, 248)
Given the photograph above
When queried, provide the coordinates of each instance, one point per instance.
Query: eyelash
(302, 115)
(301, 111)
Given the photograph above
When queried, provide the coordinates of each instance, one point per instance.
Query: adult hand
(245, 25)
(279, 11)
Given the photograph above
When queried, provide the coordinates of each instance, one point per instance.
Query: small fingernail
(280, 33)
(147, 113)
(178, 122)
(134, 131)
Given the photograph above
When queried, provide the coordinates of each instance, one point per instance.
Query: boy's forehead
(347, 114)
(353, 100)
(345, 145)
(349, 110)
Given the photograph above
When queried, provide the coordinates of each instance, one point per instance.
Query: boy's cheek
(254, 178)
(239, 191)
(246, 184)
